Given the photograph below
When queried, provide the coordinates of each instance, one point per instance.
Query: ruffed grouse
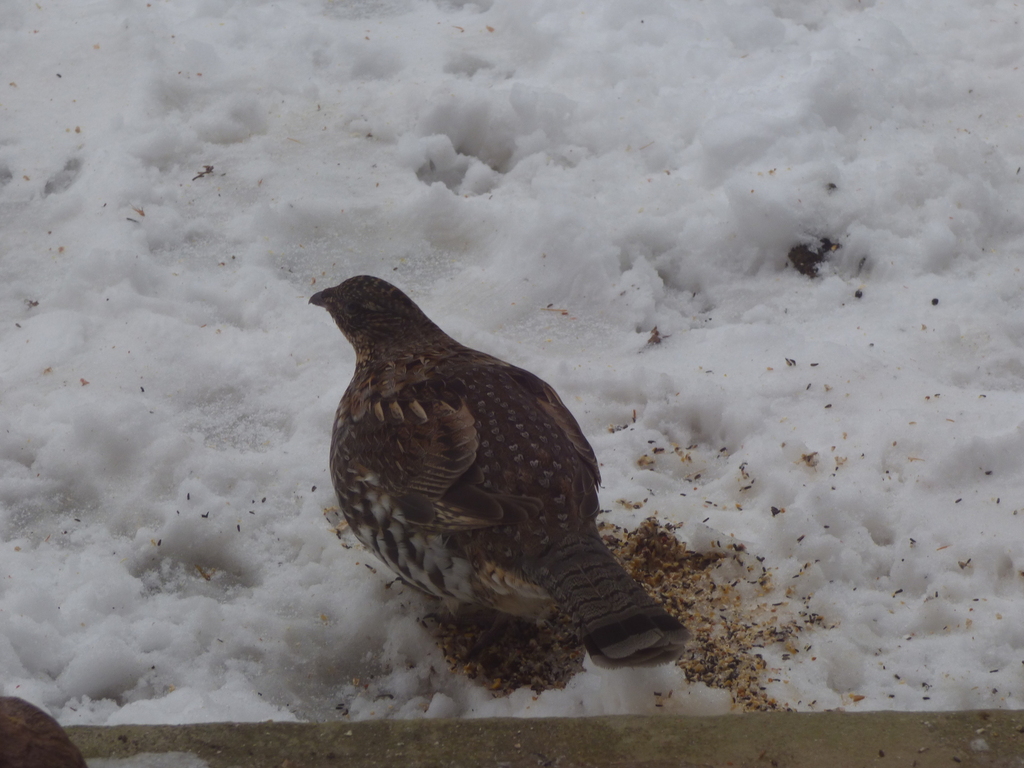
(471, 479)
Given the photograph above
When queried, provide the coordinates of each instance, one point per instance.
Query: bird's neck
(428, 343)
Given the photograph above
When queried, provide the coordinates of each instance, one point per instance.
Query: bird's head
(376, 317)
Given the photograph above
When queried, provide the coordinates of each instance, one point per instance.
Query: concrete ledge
(768, 740)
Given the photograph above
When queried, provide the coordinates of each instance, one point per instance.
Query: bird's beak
(318, 299)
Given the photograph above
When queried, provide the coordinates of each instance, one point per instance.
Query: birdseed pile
(721, 596)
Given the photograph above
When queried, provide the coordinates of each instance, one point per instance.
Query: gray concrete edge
(764, 740)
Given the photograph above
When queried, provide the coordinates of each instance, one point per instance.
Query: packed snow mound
(606, 193)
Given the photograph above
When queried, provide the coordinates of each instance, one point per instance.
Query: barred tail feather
(619, 623)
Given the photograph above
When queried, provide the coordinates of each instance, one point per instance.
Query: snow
(167, 394)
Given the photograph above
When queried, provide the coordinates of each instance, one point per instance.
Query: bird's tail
(619, 623)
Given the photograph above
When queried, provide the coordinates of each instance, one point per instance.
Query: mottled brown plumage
(471, 479)
(30, 738)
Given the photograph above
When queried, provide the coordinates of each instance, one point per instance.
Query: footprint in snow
(63, 178)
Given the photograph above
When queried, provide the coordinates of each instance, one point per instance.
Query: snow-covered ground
(177, 177)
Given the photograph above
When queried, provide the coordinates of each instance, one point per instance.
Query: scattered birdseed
(720, 598)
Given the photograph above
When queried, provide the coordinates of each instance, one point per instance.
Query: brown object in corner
(30, 738)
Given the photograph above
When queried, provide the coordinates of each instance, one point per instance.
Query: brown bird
(30, 738)
(470, 479)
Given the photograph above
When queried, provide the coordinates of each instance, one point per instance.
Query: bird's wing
(425, 446)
